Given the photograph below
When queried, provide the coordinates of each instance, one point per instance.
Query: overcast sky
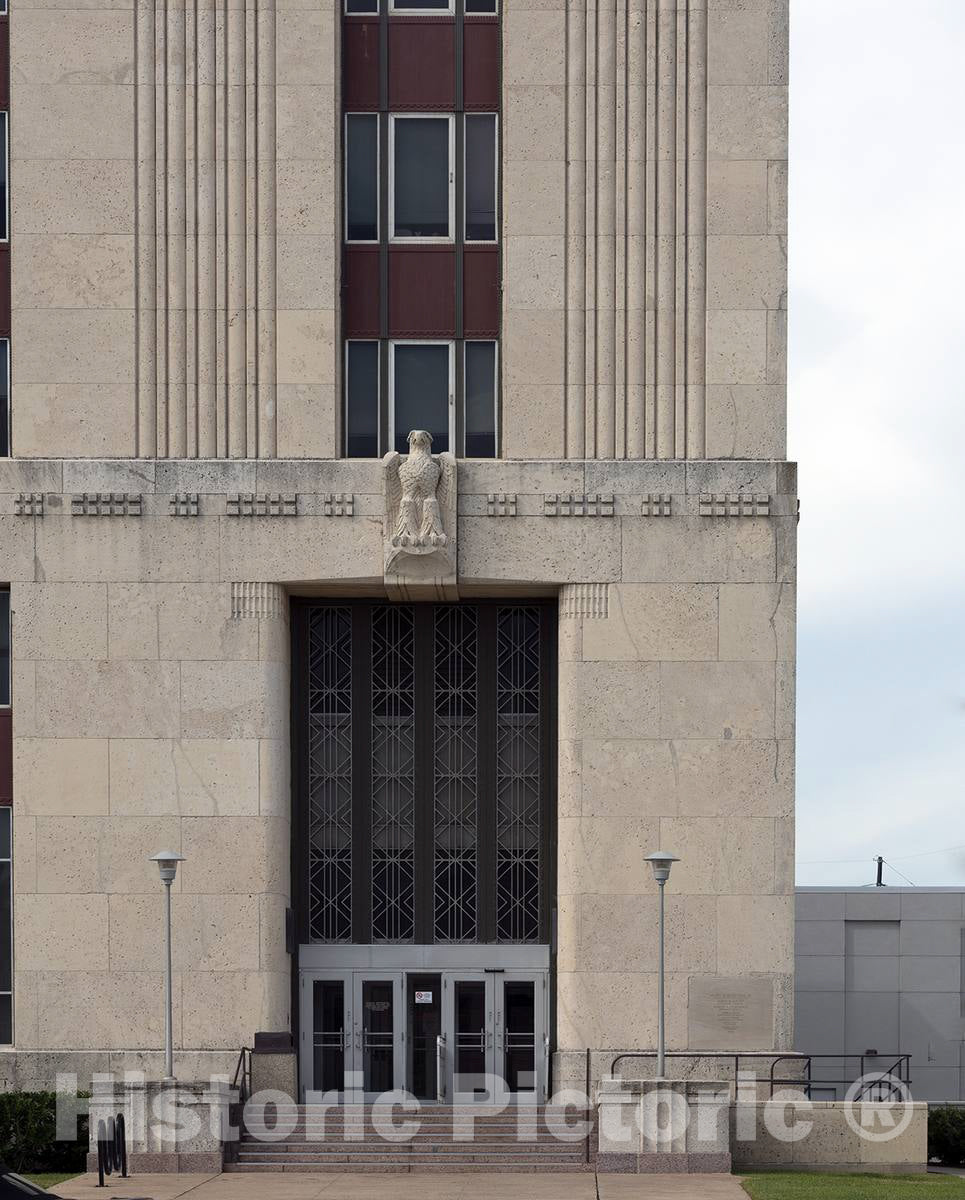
(877, 423)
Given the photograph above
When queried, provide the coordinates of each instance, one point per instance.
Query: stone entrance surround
(151, 699)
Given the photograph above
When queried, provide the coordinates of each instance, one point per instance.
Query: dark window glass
(6, 929)
(4, 398)
(4, 647)
(362, 178)
(4, 227)
(422, 394)
(328, 1002)
(480, 6)
(480, 399)
(481, 179)
(5, 839)
(362, 399)
(519, 1069)
(361, 6)
(417, 5)
(6, 1020)
(378, 1067)
(421, 177)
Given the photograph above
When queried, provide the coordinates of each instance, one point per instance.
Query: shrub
(28, 1135)
(946, 1135)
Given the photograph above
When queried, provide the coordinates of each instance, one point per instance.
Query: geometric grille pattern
(330, 775)
(455, 783)
(393, 773)
(518, 833)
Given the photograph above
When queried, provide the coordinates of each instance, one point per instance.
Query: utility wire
(834, 862)
(898, 873)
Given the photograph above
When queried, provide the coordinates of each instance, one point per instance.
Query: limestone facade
(176, 426)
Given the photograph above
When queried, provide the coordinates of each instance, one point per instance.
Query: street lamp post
(168, 866)
(661, 864)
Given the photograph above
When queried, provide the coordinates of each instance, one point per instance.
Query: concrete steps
(447, 1139)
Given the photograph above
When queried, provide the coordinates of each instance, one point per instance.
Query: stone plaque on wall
(730, 1014)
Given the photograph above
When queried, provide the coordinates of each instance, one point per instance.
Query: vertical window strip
(4, 397)
(455, 775)
(4, 177)
(6, 927)
(5, 647)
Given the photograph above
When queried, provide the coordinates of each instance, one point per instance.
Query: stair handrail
(242, 1079)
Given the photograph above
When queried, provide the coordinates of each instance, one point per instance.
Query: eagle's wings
(393, 485)
(447, 480)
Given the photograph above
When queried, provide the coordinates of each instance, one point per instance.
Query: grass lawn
(803, 1185)
(49, 1181)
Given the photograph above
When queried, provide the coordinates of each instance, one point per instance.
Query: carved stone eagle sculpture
(418, 489)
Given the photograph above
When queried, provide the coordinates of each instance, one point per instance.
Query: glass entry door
(353, 1034)
(470, 1038)
(379, 1035)
(444, 1037)
(496, 1046)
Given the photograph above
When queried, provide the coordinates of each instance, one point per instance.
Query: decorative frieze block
(266, 504)
(590, 600)
(568, 504)
(339, 504)
(257, 601)
(185, 504)
(735, 505)
(29, 504)
(106, 504)
(501, 504)
(657, 504)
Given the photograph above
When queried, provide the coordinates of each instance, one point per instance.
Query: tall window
(4, 173)
(4, 397)
(4, 648)
(6, 849)
(6, 927)
(362, 177)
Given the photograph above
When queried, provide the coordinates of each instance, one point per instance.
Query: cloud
(877, 422)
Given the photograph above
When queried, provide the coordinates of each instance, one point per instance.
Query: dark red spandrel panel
(4, 290)
(480, 291)
(4, 62)
(6, 758)
(360, 284)
(360, 65)
(422, 64)
(422, 291)
(480, 58)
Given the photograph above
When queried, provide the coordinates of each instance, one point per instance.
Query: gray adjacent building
(883, 969)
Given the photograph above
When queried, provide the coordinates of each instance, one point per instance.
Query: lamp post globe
(167, 861)
(661, 862)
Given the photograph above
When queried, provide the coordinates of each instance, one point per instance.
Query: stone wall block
(113, 699)
(757, 622)
(717, 700)
(234, 699)
(61, 776)
(191, 777)
(650, 622)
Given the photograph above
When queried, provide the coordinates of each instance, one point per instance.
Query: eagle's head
(419, 441)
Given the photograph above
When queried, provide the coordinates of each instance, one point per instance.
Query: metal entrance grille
(424, 771)
(518, 706)
(393, 774)
(330, 775)
(456, 775)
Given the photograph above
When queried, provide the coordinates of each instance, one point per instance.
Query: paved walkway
(470, 1186)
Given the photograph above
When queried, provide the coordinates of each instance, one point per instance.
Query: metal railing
(111, 1148)
(887, 1083)
(242, 1079)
